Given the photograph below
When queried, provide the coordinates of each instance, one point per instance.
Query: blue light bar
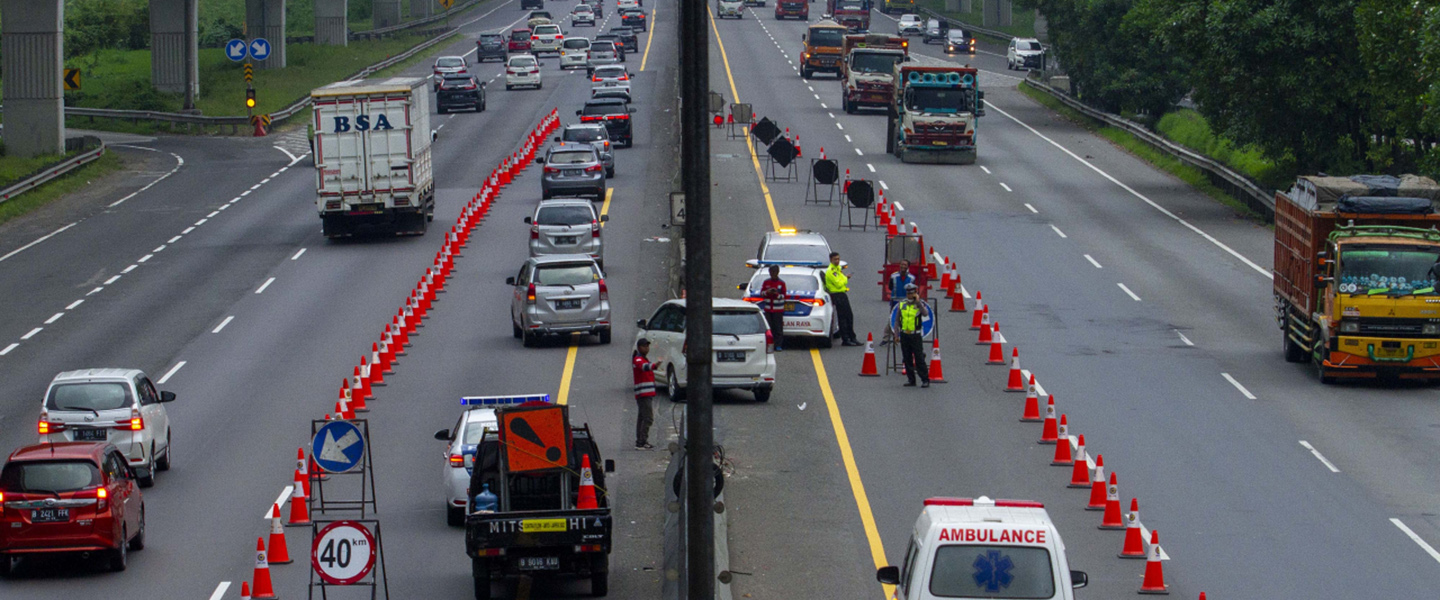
(494, 401)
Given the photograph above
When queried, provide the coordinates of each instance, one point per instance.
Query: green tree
(1391, 43)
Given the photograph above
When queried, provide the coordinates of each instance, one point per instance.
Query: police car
(808, 311)
(983, 548)
(789, 247)
(461, 442)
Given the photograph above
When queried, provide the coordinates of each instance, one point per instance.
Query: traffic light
(250, 98)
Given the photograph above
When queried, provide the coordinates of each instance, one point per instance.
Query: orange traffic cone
(343, 411)
(980, 310)
(955, 289)
(986, 333)
(361, 390)
(586, 498)
(997, 349)
(279, 550)
(1080, 475)
(867, 368)
(299, 508)
(377, 370)
(937, 372)
(1049, 433)
(1111, 518)
(259, 128)
(352, 401)
(945, 278)
(263, 587)
(302, 469)
(1134, 544)
(1097, 485)
(1154, 582)
(1017, 379)
(244, 590)
(1062, 446)
(1032, 404)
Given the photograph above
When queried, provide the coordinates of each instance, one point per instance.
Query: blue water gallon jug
(485, 500)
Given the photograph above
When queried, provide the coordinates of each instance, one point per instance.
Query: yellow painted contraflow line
(649, 40)
(564, 396)
(605, 208)
(847, 455)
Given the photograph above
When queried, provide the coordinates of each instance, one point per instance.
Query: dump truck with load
(1356, 264)
(821, 52)
(867, 71)
(538, 505)
(933, 114)
(853, 14)
(891, 7)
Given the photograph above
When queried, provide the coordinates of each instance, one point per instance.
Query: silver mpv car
(567, 226)
(572, 170)
(596, 135)
(559, 294)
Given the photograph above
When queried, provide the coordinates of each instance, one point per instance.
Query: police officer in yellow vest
(906, 326)
(837, 284)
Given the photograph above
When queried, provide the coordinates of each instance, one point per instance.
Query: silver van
(559, 294)
(567, 226)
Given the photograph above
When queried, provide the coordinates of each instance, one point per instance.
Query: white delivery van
(981, 548)
(372, 156)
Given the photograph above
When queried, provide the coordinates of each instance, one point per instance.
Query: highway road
(1141, 305)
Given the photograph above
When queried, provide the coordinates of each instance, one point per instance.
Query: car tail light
(769, 342)
(595, 78)
(490, 552)
(2, 504)
(457, 461)
(593, 169)
(530, 294)
(136, 421)
(552, 170)
(46, 426)
(102, 498)
(624, 78)
(594, 229)
(534, 38)
(534, 233)
(811, 301)
(607, 143)
(604, 292)
(588, 548)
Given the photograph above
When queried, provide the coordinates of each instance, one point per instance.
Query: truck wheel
(455, 516)
(890, 132)
(480, 571)
(805, 73)
(847, 105)
(1293, 352)
(600, 576)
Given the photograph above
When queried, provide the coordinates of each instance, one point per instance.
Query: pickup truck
(532, 471)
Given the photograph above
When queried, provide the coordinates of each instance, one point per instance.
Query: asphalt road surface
(1143, 306)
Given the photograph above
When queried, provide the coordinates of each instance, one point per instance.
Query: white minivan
(574, 52)
(743, 345)
(119, 406)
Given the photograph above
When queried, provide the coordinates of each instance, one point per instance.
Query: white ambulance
(983, 548)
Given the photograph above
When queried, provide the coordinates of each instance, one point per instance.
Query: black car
(598, 7)
(634, 18)
(617, 40)
(531, 4)
(614, 113)
(627, 35)
(935, 31)
(490, 45)
(622, 94)
(460, 90)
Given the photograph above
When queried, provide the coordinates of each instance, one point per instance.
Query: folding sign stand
(360, 466)
(781, 154)
(823, 172)
(894, 359)
(740, 120)
(859, 195)
(347, 553)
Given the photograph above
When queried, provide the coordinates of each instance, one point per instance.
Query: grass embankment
(58, 187)
(1190, 175)
(1188, 128)
(1022, 21)
(14, 168)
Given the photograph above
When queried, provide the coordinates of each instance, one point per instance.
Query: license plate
(565, 239)
(570, 172)
(940, 143)
(567, 304)
(373, 207)
(539, 563)
(730, 356)
(789, 306)
(91, 435)
(1390, 352)
(50, 515)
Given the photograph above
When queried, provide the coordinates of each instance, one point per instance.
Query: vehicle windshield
(570, 157)
(49, 476)
(475, 431)
(566, 274)
(522, 61)
(584, 134)
(564, 215)
(992, 572)
(547, 30)
(873, 62)
(850, 6)
(453, 82)
(520, 36)
(956, 36)
(577, 43)
(1026, 46)
(89, 396)
(609, 72)
(1397, 270)
(938, 100)
(796, 254)
(607, 108)
(602, 47)
(539, 14)
(794, 282)
(736, 322)
(450, 61)
(826, 37)
(490, 38)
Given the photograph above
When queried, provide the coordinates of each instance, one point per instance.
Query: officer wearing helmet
(906, 325)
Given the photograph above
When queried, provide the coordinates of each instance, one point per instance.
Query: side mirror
(982, 94)
(167, 396)
(577, 113)
(604, 218)
(641, 324)
(802, 37)
(631, 110)
(539, 160)
(753, 263)
(509, 281)
(527, 220)
(443, 435)
(557, 138)
(740, 286)
(434, 134)
(888, 575)
(1079, 579)
(130, 472)
(610, 467)
(844, 264)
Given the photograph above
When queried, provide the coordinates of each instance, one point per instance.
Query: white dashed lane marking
(1238, 386)
(1093, 261)
(1137, 299)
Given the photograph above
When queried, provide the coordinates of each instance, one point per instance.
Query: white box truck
(372, 156)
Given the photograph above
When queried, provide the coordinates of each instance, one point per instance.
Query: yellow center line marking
(563, 397)
(847, 455)
(648, 40)
(605, 208)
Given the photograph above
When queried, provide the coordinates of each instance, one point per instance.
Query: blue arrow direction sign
(259, 49)
(235, 50)
(338, 447)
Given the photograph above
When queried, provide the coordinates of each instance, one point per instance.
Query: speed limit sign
(343, 552)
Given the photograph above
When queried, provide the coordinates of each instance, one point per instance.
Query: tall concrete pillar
(330, 25)
(385, 13)
(174, 45)
(266, 19)
(34, 53)
(420, 9)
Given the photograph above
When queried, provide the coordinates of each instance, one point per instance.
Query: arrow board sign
(259, 49)
(235, 50)
(338, 447)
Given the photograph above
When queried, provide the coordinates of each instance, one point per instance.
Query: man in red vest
(644, 372)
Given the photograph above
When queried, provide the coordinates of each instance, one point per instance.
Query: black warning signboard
(535, 438)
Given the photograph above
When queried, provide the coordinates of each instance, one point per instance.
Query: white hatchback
(120, 406)
(575, 52)
(546, 37)
(911, 25)
(522, 70)
(743, 346)
(461, 443)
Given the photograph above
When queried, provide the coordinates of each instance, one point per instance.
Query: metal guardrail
(42, 176)
(383, 31)
(1242, 187)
